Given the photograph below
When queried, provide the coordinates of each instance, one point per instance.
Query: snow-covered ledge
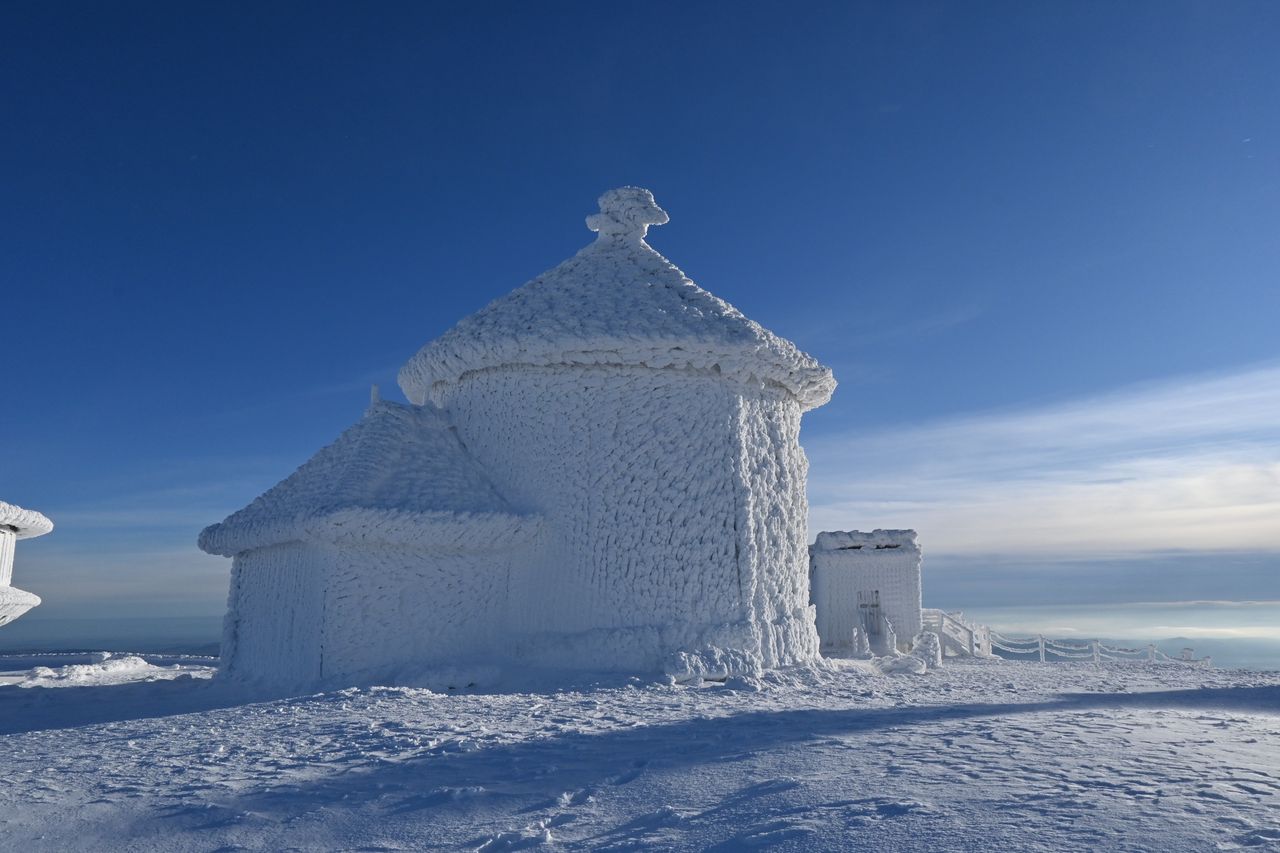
(16, 523)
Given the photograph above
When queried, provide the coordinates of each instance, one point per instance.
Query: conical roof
(26, 523)
(399, 474)
(617, 302)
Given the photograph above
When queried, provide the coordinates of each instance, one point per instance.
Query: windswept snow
(108, 670)
(973, 756)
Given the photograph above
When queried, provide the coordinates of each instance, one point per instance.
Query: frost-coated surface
(612, 481)
(8, 543)
(14, 602)
(772, 527)
(27, 523)
(317, 613)
(16, 523)
(402, 616)
(399, 475)
(674, 515)
(846, 563)
(275, 614)
(974, 756)
(617, 302)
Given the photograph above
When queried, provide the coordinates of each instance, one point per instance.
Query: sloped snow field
(974, 756)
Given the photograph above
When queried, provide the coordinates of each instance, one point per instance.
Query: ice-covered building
(868, 581)
(389, 550)
(16, 523)
(599, 470)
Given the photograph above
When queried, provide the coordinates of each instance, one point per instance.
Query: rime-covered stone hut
(16, 523)
(598, 470)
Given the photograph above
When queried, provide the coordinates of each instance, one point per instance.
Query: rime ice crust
(846, 563)
(28, 522)
(836, 540)
(14, 602)
(397, 475)
(674, 513)
(626, 214)
(617, 302)
(16, 523)
(385, 552)
(612, 480)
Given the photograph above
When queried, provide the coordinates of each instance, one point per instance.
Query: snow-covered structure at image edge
(599, 470)
(16, 523)
(868, 581)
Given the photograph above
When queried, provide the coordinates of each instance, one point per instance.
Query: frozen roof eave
(27, 523)
(439, 532)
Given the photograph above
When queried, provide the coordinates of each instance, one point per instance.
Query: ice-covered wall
(883, 565)
(272, 630)
(391, 612)
(772, 525)
(8, 539)
(674, 511)
(303, 614)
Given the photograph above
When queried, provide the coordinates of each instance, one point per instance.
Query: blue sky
(1036, 242)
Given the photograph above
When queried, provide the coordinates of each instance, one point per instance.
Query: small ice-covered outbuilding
(869, 582)
(16, 523)
(389, 550)
(634, 491)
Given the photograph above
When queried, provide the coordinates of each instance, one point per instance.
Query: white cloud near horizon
(1184, 464)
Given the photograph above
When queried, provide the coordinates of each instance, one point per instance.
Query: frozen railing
(958, 637)
(1094, 650)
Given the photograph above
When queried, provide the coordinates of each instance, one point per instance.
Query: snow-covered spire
(626, 214)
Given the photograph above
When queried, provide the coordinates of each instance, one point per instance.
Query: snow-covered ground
(100, 669)
(975, 756)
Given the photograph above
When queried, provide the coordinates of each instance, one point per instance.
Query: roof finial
(375, 395)
(626, 214)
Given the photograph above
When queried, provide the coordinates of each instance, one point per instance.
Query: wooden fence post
(1097, 652)
(1041, 636)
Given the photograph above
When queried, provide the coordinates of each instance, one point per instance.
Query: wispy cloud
(1188, 464)
(830, 332)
